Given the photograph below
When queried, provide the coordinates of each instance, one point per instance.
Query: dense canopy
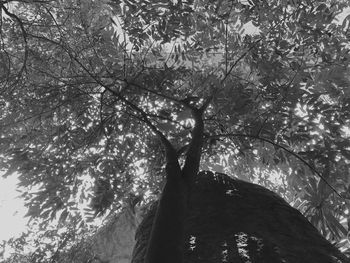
(91, 90)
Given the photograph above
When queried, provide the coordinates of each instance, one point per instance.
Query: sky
(12, 209)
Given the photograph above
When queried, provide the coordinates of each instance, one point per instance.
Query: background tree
(95, 95)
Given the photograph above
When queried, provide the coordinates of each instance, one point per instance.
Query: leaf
(85, 85)
(346, 23)
(335, 226)
(63, 216)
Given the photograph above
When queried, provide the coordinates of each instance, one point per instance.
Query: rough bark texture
(234, 221)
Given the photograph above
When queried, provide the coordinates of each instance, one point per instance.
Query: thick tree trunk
(166, 243)
(229, 220)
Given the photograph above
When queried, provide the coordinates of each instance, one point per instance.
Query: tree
(230, 220)
(97, 95)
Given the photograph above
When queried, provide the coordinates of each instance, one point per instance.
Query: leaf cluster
(86, 87)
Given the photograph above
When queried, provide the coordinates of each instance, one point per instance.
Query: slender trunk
(167, 236)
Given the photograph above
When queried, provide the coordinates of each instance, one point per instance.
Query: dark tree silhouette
(230, 220)
(107, 102)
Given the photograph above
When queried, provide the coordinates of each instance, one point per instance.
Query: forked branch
(170, 151)
(193, 155)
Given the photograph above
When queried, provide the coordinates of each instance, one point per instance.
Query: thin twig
(239, 59)
(24, 35)
(313, 169)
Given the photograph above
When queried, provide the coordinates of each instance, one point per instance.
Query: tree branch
(239, 59)
(24, 34)
(206, 104)
(193, 154)
(171, 154)
(313, 169)
(152, 91)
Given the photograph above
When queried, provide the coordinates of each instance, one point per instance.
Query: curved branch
(170, 151)
(239, 59)
(153, 92)
(171, 154)
(313, 169)
(24, 34)
(183, 102)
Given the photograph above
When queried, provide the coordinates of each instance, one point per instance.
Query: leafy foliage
(85, 85)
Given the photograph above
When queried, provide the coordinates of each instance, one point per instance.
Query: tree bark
(168, 230)
(230, 220)
(166, 243)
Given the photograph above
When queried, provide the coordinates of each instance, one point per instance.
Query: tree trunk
(168, 230)
(166, 243)
(229, 220)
